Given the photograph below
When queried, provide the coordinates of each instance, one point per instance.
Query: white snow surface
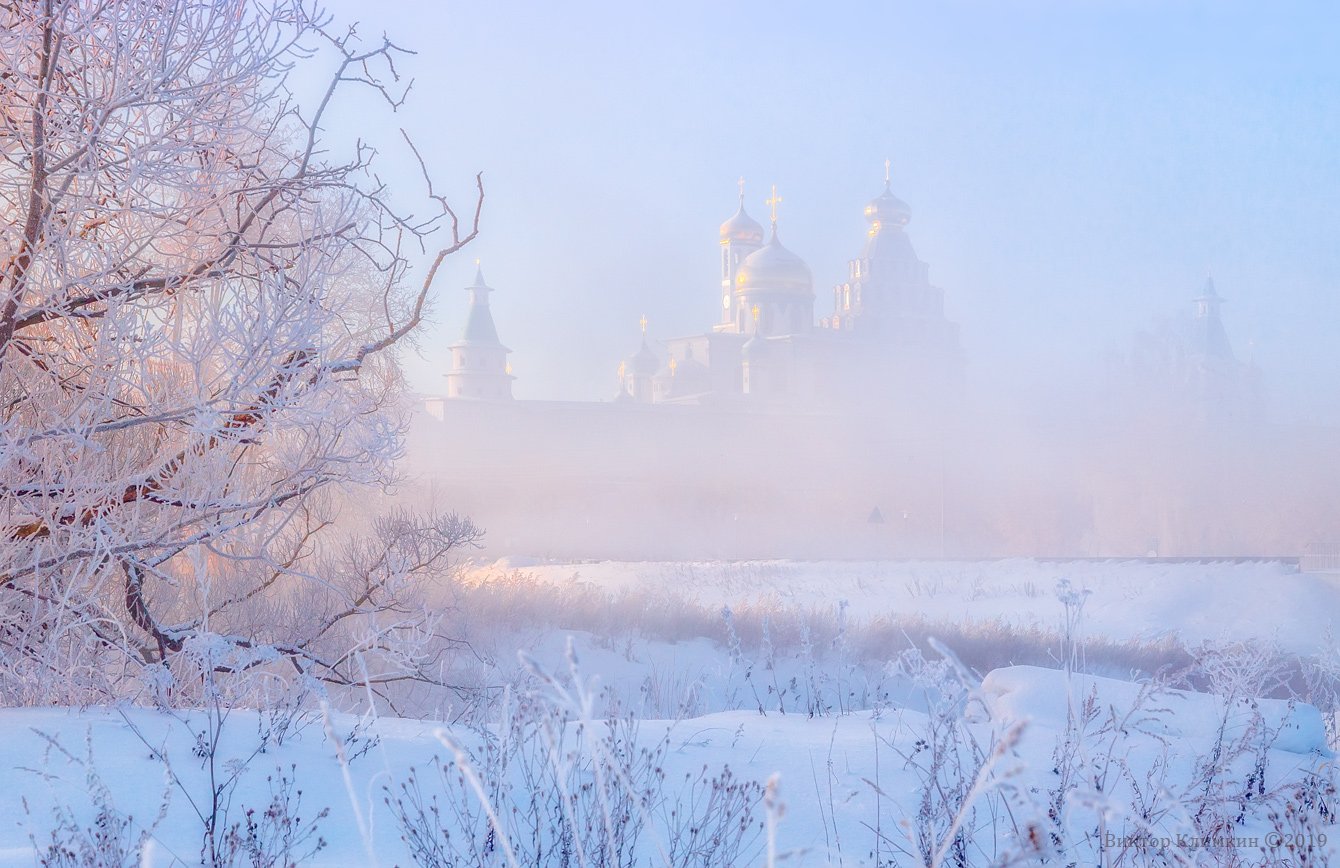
(836, 772)
(1043, 698)
(827, 766)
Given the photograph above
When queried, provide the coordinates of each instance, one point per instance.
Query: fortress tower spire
(479, 367)
(1211, 341)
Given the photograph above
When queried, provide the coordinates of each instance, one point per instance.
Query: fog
(845, 433)
(1074, 172)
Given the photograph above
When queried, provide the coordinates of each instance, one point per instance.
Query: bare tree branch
(190, 268)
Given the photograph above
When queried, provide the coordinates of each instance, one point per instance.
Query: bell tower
(741, 235)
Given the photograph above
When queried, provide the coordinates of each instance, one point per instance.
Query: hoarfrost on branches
(198, 293)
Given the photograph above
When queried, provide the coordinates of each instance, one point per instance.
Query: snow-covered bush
(232, 832)
(967, 806)
(98, 835)
(551, 783)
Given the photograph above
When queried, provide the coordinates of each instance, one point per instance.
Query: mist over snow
(586, 435)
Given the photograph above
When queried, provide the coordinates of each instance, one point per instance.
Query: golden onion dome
(741, 229)
(774, 269)
(887, 209)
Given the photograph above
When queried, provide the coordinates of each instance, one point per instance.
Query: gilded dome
(773, 268)
(887, 208)
(742, 229)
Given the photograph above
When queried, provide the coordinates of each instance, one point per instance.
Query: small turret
(638, 370)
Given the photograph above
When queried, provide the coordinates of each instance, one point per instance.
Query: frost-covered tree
(198, 296)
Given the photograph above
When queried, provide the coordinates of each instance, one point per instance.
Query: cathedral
(843, 409)
(885, 342)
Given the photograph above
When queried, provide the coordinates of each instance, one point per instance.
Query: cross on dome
(772, 202)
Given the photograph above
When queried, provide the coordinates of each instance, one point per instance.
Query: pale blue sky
(1074, 168)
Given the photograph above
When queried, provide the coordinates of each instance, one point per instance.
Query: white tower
(479, 368)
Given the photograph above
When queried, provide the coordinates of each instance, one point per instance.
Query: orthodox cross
(643, 322)
(886, 170)
(772, 202)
